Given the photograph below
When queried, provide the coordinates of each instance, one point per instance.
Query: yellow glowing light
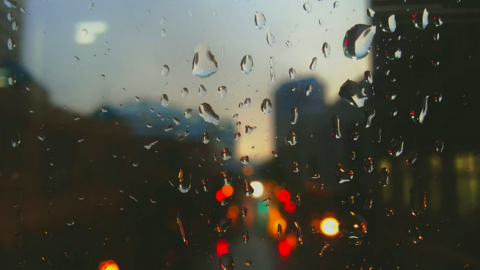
(329, 226)
(257, 189)
(274, 219)
(108, 265)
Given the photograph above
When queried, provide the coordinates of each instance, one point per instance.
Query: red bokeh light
(284, 196)
(284, 248)
(222, 247)
(290, 207)
(219, 195)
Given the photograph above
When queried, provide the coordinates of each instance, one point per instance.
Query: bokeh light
(108, 265)
(257, 189)
(227, 191)
(222, 247)
(274, 218)
(290, 207)
(248, 170)
(219, 195)
(284, 196)
(284, 248)
(329, 226)
(232, 212)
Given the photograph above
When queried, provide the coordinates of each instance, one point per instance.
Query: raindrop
(367, 75)
(238, 124)
(14, 26)
(370, 12)
(358, 40)
(247, 188)
(10, 3)
(23, 10)
(237, 136)
(182, 230)
(419, 109)
(244, 211)
(168, 128)
(418, 201)
(411, 157)
(247, 103)
(393, 112)
(165, 70)
(336, 127)
(208, 114)
(176, 121)
(368, 164)
(299, 233)
(164, 100)
(279, 229)
(11, 44)
(272, 72)
(293, 73)
(16, 141)
(163, 21)
(368, 204)
(313, 64)
(226, 154)
(355, 133)
(188, 113)
(163, 32)
(70, 222)
(227, 177)
(438, 21)
(206, 137)
(274, 153)
(351, 92)
(245, 160)
(395, 148)
(226, 262)
(307, 7)
(248, 262)
(222, 91)
(308, 90)
(288, 43)
(270, 39)
(438, 97)
(335, 4)
(415, 235)
(266, 106)
(326, 49)
(260, 20)
(342, 175)
(184, 181)
(384, 177)
(294, 112)
(421, 23)
(353, 226)
(9, 16)
(369, 114)
(291, 139)
(223, 225)
(391, 95)
(203, 64)
(245, 236)
(202, 91)
(388, 25)
(439, 145)
(249, 129)
(247, 64)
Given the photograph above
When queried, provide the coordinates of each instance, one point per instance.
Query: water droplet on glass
(308, 90)
(368, 164)
(388, 25)
(247, 64)
(353, 155)
(291, 139)
(294, 112)
(247, 103)
(41, 138)
(351, 92)
(188, 113)
(206, 137)
(163, 32)
(293, 73)
(358, 40)
(369, 114)
(11, 44)
(395, 148)
(260, 20)
(298, 233)
(415, 235)
(266, 106)
(70, 222)
(176, 121)
(203, 64)
(23, 10)
(238, 124)
(418, 201)
(226, 262)
(288, 43)
(368, 204)
(384, 177)
(439, 145)
(438, 21)
(202, 91)
(370, 12)
(248, 262)
(183, 183)
(274, 153)
(245, 236)
(367, 75)
(438, 97)
(419, 109)
(411, 157)
(168, 128)
(208, 114)
(313, 64)
(165, 70)
(342, 175)
(164, 100)
(421, 23)
(270, 39)
(247, 188)
(223, 225)
(16, 141)
(243, 211)
(14, 26)
(335, 4)
(10, 3)
(336, 127)
(249, 129)
(353, 226)
(222, 91)
(307, 7)
(326, 49)
(226, 154)
(9, 16)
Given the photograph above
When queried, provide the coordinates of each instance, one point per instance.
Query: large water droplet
(249, 129)
(206, 137)
(307, 7)
(358, 40)
(260, 20)
(237, 136)
(165, 70)
(266, 106)
(270, 39)
(411, 157)
(291, 139)
(353, 226)
(10, 3)
(223, 225)
(419, 109)
(438, 21)
(183, 182)
(188, 113)
(369, 114)
(247, 103)
(203, 64)
(418, 201)
(14, 26)
(388, 25)
(384, 177)
(208, 114)
(279, 229)
(370, 12)
(294, 112)
(222, 91)
(326, 49)
(342, 175)
(202, 91)
(293, 73)
(247, 64)
(247, 188)
(313, 64)
(9, 16)
(396, 146)
(226, 154)
(11, 44)
(308, 90)
(351, 92)
(336, 127)
(415, 235)
(226, 262)
(336, 4)
(438, 97)
(421, 22)
(367, 75)
(184, 92)
(164, 100)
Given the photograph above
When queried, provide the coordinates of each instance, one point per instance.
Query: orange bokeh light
(284, 248)
(274, 218)
(222, 247)
(227, 191)
(248, 170)
(329, 226)
(108, 265)
(232, 212)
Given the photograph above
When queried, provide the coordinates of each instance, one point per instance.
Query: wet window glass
(247, 134)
